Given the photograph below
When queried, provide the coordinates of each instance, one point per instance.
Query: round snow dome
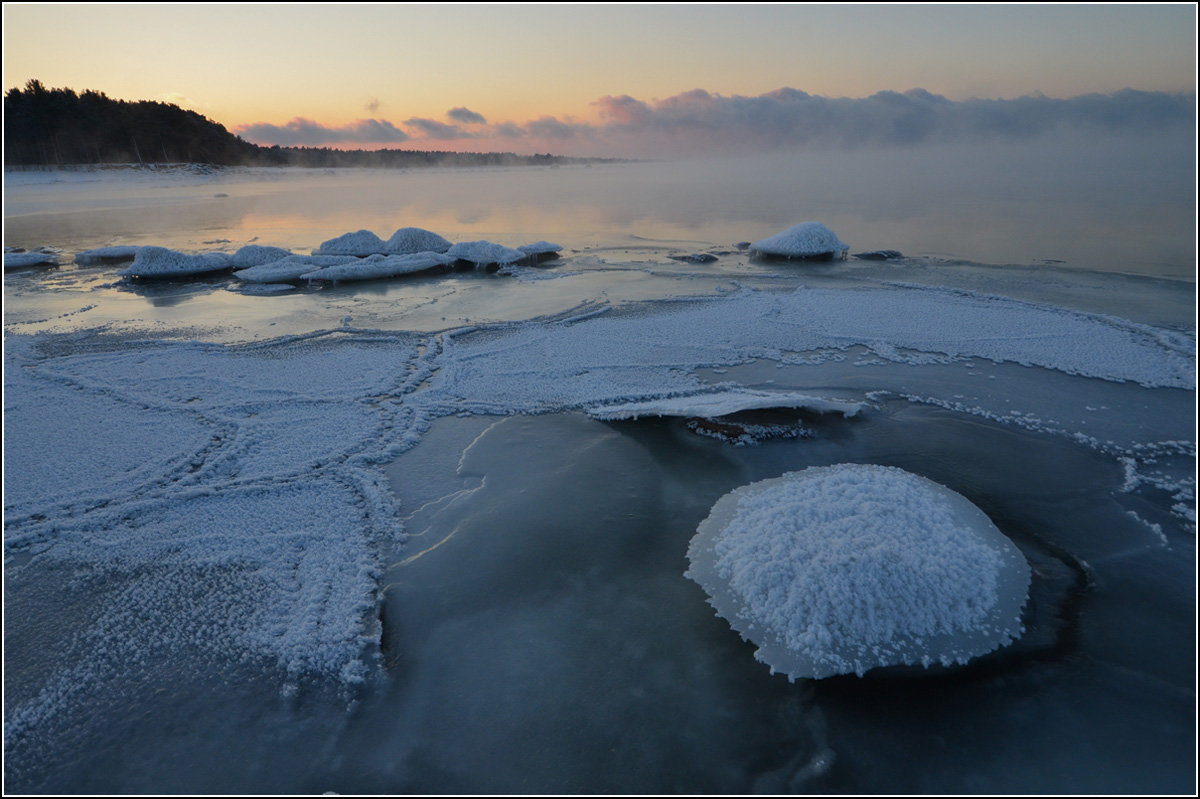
(805, 240)
(842, 569)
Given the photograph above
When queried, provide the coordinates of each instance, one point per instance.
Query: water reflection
(1104, 204)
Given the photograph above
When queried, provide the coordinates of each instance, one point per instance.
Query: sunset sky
(579, 78)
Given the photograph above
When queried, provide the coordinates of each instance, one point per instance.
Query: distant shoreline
(201, 168)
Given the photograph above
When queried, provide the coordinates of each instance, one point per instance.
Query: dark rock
(694, 258)
(879, 255)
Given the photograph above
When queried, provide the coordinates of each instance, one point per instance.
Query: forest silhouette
(60, 127)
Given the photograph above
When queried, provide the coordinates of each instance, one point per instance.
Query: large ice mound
(842, 569)
(805, 240)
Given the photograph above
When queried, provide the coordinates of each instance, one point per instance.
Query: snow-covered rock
(291, 268)
(409, 240)
(842, 569)
(540, 251)
(256, 255)
(17, 260)
(160, 262)
(360, 243)
(106, 255)
(805, 240)
(381, 266)
(484, 253)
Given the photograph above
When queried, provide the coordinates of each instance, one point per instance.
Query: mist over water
(1113, 204)
(418, 447)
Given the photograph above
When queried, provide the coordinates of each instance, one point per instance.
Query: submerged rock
(842, 569)
(807, 240)
(739, 430)
(694, 258)
(879, 255)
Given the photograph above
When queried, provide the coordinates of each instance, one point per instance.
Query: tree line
(61, 127)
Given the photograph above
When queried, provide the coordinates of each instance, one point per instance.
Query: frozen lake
(377, 537)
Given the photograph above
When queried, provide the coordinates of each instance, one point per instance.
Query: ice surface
(197, 456)
(160, 262)
(361, 243)
(805, 240)
(291, 268)
(17, 260)
(408, 240)
(381, 266)
(722, 403)
(599, 358)
(482, 253)
(842, 569)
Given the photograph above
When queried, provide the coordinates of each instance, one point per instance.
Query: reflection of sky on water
(1105, 205)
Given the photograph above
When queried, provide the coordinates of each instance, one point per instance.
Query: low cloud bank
(701, 122)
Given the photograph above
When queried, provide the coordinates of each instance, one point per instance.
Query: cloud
(372, 105)
(432, 129)
(551, 128)
(466, 116)
(699, 122)
(301, 131)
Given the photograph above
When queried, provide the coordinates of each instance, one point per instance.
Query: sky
(603, 79)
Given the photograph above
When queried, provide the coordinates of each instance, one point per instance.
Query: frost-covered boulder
(106, 255)
(376, 267)
(292, 268)
(256, 255)
(17, 260)
(409, 240)
(805, 240)
(160, 262)
(842, 569)
(540, 251)
(485, 253)
(360, 243)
